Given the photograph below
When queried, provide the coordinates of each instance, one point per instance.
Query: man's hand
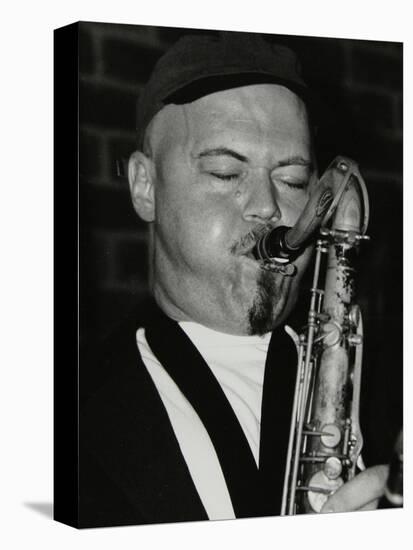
(361, 493)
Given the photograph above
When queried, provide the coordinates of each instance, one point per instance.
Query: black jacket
(131, 469)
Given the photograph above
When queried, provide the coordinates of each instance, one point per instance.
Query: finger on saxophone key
(361, 493)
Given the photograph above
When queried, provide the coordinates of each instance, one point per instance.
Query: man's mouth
(251, 259)
(246, 245)
(285, 269)
(247, 248)
(250, 255)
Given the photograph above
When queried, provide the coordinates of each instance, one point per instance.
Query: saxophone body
(325, 438)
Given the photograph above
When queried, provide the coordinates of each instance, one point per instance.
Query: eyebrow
(290, 161)
(219, 151)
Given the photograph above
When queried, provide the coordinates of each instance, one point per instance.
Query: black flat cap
(198, 65)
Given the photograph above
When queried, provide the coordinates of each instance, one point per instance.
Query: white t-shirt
(238, 363)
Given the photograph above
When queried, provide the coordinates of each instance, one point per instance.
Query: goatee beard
(269, 303)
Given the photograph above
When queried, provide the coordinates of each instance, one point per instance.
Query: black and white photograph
(205, 275)
(240, 275)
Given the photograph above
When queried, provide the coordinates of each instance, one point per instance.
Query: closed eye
(298, 185)
(225, 177)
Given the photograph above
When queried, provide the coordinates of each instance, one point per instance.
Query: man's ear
(141, 184)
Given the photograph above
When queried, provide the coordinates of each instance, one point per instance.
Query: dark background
(360, 84)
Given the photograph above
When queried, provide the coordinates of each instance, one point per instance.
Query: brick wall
(359, 82)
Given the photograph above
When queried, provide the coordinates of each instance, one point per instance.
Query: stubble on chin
(269, 303)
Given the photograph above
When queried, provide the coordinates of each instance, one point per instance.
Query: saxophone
(325, 438)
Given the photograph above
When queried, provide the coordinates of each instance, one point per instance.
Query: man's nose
(261, 200)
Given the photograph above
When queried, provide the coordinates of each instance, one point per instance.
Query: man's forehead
(260, 107)
(247, 103)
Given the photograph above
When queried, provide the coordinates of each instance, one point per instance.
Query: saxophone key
(320, 488)
(332, 437)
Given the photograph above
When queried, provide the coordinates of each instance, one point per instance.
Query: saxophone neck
(339, 196)
(350, 206)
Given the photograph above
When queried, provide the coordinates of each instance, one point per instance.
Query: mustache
(247, 242)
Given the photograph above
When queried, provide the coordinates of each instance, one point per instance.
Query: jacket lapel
(125, 426)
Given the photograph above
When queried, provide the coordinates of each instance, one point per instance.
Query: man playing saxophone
(192, 420)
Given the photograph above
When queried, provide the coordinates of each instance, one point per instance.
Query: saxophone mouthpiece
(284, 244)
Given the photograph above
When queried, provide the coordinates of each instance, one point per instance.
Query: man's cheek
(218, 232)
(211, 228)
